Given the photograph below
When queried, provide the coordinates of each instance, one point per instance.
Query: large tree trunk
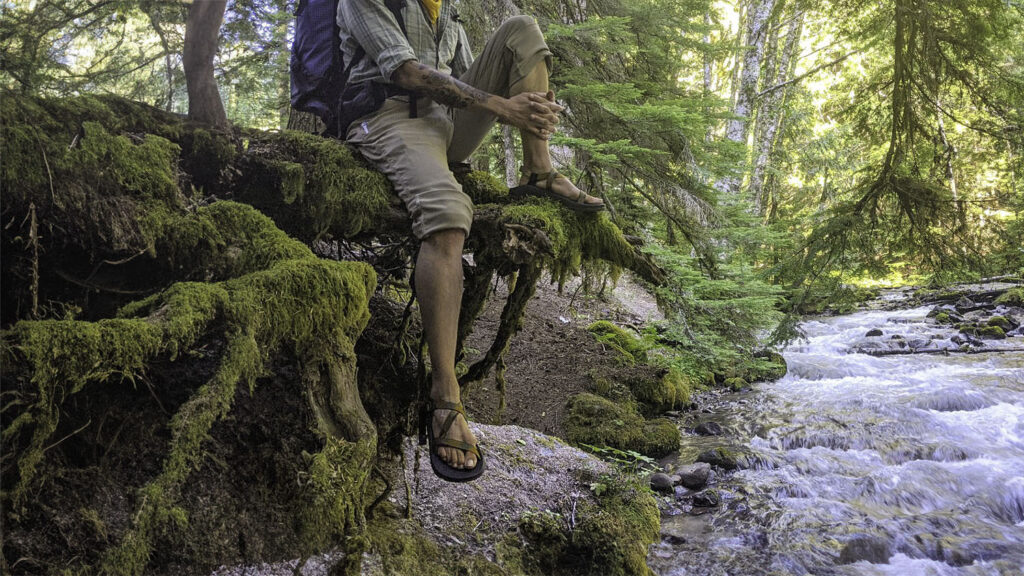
(204, 103)
(758, 19)
(771, 114)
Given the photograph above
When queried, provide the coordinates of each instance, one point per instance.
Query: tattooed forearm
(447, 90)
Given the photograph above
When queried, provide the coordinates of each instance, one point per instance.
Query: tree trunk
(201, 29)
(758, 18)
(771, 114)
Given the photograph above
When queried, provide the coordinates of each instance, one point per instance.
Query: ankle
(446, 391)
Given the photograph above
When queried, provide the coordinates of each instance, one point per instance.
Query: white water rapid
(900, 465)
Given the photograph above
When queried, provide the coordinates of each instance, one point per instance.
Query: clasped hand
(534, 112)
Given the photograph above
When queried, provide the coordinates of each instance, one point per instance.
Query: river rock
(719, 457)
(874, 332)
(694, 476)
(874, 549)
(708, 429)
(707, 499)
(964, 304)
(661, 482)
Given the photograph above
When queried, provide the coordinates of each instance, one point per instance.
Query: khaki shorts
(414, 153)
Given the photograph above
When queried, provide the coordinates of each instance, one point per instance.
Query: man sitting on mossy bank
(455, 103)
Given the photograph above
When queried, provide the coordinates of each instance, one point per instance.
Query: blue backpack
(318, 72)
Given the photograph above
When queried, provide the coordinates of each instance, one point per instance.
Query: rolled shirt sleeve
(375, 29)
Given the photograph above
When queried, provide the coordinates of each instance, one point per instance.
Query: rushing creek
(855, 464)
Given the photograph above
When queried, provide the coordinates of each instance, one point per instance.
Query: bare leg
(536, 155)
(439, 290)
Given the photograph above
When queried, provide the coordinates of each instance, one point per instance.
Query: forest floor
(553, 356)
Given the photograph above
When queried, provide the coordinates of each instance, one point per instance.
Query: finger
(553, 106)
(542, 122)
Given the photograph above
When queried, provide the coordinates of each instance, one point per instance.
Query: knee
(447, 242)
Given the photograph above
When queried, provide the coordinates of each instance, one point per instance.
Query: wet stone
(708, 429)
(873, 332)
(719, 457)
(694, 476)
(964, 304)
(707, 499)
(865, 547)
(661, 482)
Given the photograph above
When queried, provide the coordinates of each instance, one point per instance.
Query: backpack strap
(396, 6)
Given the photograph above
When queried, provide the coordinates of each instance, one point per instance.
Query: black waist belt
(390, 91)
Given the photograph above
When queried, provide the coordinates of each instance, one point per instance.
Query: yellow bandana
(433, 9)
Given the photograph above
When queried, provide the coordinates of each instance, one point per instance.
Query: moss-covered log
(132, 239)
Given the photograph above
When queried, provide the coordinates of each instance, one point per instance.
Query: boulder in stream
(873, 549)
(694, 476)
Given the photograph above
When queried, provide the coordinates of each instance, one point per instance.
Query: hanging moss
(574, 237)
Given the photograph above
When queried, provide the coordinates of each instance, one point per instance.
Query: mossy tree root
(311, 308)
(511, 321)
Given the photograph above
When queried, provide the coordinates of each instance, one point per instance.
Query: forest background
(796, 148)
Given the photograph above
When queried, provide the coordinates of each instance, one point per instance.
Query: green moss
(991, 332)
(614, 536)
(546, 542)
(625, 343)
(999, 321)
(483, 188)
(610, 537)
(209, 155)
(574, 237)
(293, 180)
(736, 383)
(340, 192)
(600, 422)
(316, 308)
(1013, 297)
(669, 391)
(63, 356)
(943, 318)
(225, 240)
(337, 478)
(766, 366)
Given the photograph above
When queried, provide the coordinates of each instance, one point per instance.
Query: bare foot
(459, 430)
(563, 187)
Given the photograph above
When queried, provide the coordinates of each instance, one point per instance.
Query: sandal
(442, 468)
(579, 204)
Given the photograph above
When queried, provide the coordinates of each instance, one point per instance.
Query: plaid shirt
(369, 23)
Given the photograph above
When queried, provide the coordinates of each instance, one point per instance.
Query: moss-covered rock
(662, 390)
(600, 422)
(631, 347)
(735, 383)
(1012, 297)
(999, 321)
(990, 333)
